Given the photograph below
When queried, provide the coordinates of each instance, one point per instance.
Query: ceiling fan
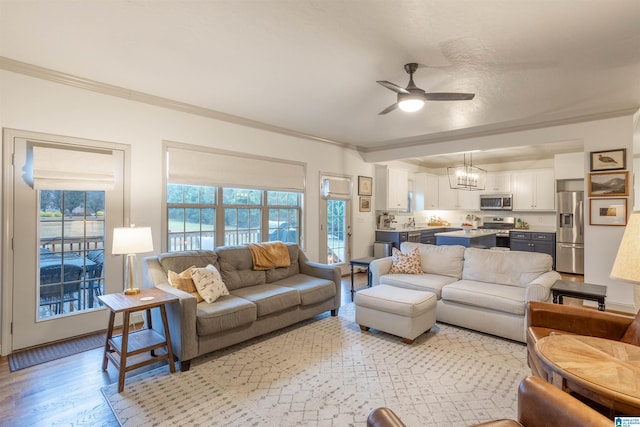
(412, 98)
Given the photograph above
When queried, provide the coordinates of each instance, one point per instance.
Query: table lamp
(627, 264)
(131, 241)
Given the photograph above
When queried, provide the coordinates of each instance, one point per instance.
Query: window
(71, 256)
(195, 213)
(242, 216)
(191, 217)
(284, 215)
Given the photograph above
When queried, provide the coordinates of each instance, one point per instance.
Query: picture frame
(608, 184)
(609, 160)
(365, 185)
(608, 211)
(365, 203)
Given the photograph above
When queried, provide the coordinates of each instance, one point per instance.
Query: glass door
(335, 222)
(61, 263)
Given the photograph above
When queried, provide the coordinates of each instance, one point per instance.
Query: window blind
(223, 169)
(336, 188)
(69, 169)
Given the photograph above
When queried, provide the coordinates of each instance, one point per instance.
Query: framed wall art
(608, 212)
(365, 184)
(609, 160)
(365, 204)
(608, 184)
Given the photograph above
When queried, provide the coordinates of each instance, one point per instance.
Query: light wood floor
(67, 391)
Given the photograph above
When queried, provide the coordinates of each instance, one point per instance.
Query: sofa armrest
(379, 267)
(540, 288)
(323, 271)
(181, 315)
(540, 404)
(577, 320)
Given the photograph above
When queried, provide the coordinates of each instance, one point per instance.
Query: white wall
(42, 106)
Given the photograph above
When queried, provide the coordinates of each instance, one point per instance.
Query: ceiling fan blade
(448, 96)
(392, 86)
(389, 109)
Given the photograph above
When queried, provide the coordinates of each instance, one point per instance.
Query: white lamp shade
(627, 264)
(132, 240)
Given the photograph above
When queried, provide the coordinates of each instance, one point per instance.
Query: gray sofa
(259, 301)
(481, 289)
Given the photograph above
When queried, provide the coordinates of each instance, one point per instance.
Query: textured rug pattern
(36, 356)
(326, 372)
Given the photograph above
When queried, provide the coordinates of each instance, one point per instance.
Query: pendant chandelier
(466, 176)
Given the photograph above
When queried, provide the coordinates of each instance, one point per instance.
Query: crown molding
(31, 70)
(498, 129)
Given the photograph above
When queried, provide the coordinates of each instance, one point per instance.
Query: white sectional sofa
(480, 289)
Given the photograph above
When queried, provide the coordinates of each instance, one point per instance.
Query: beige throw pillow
(405, 263)
(184, 282)
(209, 283)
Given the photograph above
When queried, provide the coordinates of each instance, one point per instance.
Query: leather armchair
(539, 405)
(545, 318)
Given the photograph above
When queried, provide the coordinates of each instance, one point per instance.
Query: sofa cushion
(236, 267)
(446, 260)
(280, 273)
(405, 263)
(180, 261)
(269, 298)
(504, 267)
(226, 313)
(209, 283)
(184, 282)
(490, 296)
(312, 290)
(420, 282)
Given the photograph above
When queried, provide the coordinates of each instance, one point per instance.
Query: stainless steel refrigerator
(570, 232)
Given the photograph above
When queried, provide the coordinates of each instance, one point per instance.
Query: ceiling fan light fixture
(411, 104)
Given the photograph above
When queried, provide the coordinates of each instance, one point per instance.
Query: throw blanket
(269, 255)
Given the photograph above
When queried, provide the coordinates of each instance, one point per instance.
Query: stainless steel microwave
(496, 202)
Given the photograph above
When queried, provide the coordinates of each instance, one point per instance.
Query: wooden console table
(136, 342)
(599, 369)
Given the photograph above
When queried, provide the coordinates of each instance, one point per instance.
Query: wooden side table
(119, 348)
(566, 288)
(362, 262)
(602, 370)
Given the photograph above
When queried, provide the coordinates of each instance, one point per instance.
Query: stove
(501, 223)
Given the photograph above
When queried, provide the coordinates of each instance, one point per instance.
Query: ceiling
(310, 68)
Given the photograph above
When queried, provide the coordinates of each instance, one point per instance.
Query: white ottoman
(406, 313)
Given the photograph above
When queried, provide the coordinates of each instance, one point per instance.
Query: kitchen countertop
(537, 229)
(468, 234)
(531, 229)
(419, 228)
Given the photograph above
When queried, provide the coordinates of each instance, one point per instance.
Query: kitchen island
(484, 239)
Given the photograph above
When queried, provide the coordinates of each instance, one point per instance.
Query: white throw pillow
(209, 283)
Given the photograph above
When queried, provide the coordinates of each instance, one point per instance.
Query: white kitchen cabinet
(498, 182)
(426, 191)
(534, 190)
(392, 188)
(450, 199)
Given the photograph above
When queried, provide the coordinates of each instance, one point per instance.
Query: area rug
(35, 356)
(326, 372)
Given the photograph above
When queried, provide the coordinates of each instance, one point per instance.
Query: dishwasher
(413, 236)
